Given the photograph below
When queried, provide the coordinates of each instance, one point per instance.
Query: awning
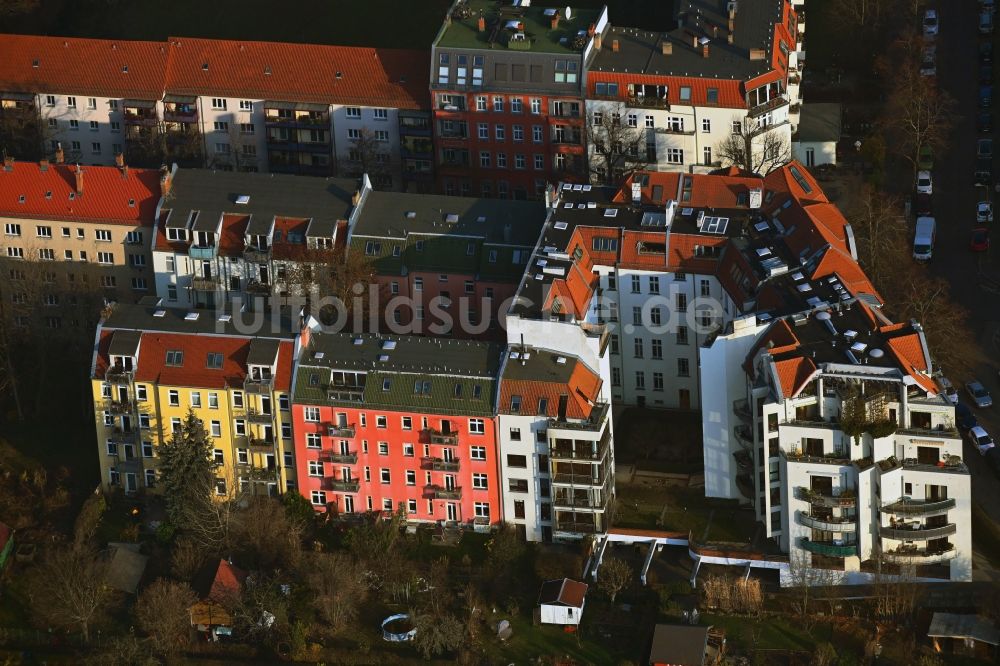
(140, 103)
(295, 106)
(180, 99)
(19, 97)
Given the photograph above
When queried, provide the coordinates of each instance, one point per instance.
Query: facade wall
(59, 109)
(524, 464)
(409, 459)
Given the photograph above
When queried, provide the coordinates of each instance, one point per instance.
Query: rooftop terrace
(509, 25)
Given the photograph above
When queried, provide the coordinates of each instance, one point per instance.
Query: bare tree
(757, 148)
(616, 148)
(369, 155)
(613, 576)
(880, 230)
(438, 631)
(68, 589)
(863, 16)
(162, 612)
(336, 589)
(241, 151)
(264, 534)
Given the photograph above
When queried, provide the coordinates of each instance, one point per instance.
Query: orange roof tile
(109, 196)
(365, 76)
(782, 181)
(729, 90)
(99, 67)
(793, 373)
(909, 351)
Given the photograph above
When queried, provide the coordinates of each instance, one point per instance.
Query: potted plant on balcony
(882, 428)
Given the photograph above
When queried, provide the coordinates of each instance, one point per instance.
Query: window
(706, 125)
(318, 498)
(501, 132)
(657, 348)
(477, 426)
(685, 95)
(43, 232)
(484, 159)
(501, 160)
(383, 448)
(380, 114)
(382, 136)
(312, 440)
(381, 422)
(481, 103)
(519, 161)
(12, 229)
(615, 344)
(657, 381)
(311, 414)
(636, 284)
(640, 380)
(536, 105)
(706, 155)
(479, 481)
(675, 156)
(147, 449)
(222, 148)
(477, 453)
(520, 462)
(705, 288)
(539, 162)
(637, 315)
(484, 131)
(135, 238)
(50, 100)
(515, 404)
(515, 434)
(384, 476)
(411, 480)
(71, 102)
(221, 126)
(175, 358)
(633, 120)
(315, 468)
(219, 103)
(536, 133)
(498, 104)
(682, 368)
(137, 260)
(638, 347)
(737, 127)
(680, 301)
(196, 398)
(173, 398)
(116, 127)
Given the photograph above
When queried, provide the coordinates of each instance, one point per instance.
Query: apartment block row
(514, 97)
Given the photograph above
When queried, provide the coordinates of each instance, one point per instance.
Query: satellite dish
(823, 316)
(569, 13)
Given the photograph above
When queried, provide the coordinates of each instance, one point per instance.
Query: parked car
(986, 52)
(984, 212)
(985, 74)
(924, 183)
(923, 238)
(984, 148)
(993, 460)
(980, 396)
(926, 161)
(922, 205)
(930, 23)
(985, 22)
(979, 241)
(979, 438)
(947, 389)
(984, 122)
(964, 417)
(984, 172)
(985, 97)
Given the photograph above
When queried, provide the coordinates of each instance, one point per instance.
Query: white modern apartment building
(225, 235)
(839, 439)
(726, 69)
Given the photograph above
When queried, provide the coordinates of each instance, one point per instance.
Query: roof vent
(243, 199)
(131, 203)
(561, 360)
(340, 75)
(876, 353)
(34, 63)
(191, 316)
(160, 313)
(267, 70)
(823, 316)
(20, 199)
(48, 194)
(124, 69)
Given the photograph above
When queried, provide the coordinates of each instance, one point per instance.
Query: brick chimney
(356, 198)
(165, 181)
(666, 47)
(694, 41)
(482, 24)
(124, 171)
(715, 31)
(79, 181)
(597, 42)
(60, 155)
(704, 50)
(43, 165)
(8, 162)
(615, 45)
(758, 54)
(730, 37)
(119, 160)
(554, 22)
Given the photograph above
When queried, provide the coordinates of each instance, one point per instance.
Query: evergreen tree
(187, 470)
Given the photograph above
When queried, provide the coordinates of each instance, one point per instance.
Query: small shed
(126, 568)
(681, 645)
(971, 635)
(561, 601)
(216, 585)
(6, 544)
(816, 138)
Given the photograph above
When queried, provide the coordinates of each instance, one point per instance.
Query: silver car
(980, 396)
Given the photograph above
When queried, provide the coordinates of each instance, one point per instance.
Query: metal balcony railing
(200, 283)
(438, 437)
(439, 492)
(829, 548)
(919, 555)
(909, 507)
(346, 431)
(830, 524)
(439, 465)
(822, 499)
(341, 485)
(918, 534)
(349, 458)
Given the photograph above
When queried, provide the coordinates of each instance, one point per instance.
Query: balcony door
(122, 394)
(348, 504)
(270, 461)
(449, 482)
(131, 482)
(448, 454)
(345, 474)
(822, 485)
(268, 432)
(341, 420)
(206, 269)
(451, 511)
(345, 448)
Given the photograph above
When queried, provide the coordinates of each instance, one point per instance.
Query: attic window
(191, 316)
(451, 218)
(124, 69)
(225, 318)
(421, 387)
(243, 199)
(561, 360)
(160, 313)
(561, 225)
(214, 361)
(481, 218)
(318, 356)
(204, 67)
(313, 379)
(411, 214)
(611, 212)
(477, 391)
(34, 63)
(386, 384)
(388, 345)
(358, 341)
(644, 247)
(175, 358)
(458, 390)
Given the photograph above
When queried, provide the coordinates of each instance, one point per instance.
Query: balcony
(916, 533)
(648, 102)
(909, 507)
(769, 105)
(257, 385)
(830, 524)
(744, 435)
(256, 255)
(341, 485)
(829, 548)
(438, 492)
(569, 479)
(119, 435)
(744, 483)
(576, 528)
(259, 417)
(345, 431)
(919, 556)
(942, 431)
(453, 134)
(255, 286)
(342, 458)
(595, 423)
(205, 283)
(569, 502)
(142, 117)
(951, 465)
(581, 452)
(439, 465)
(260, 441)
(438, 437)
(674, 131)
(118, 375)
(822, 499)
(180, 115)
(743, 459)
(203, 251)
(119, 406)
(839, 459)
(741, 408)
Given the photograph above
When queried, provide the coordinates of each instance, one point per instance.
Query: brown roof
(563, 592)
(678, 645)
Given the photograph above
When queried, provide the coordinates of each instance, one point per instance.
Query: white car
(924, 184)
(984, 212)
(930, 23)
(981, 439)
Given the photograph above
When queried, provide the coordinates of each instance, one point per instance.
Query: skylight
(192, 316)
(610, 212)
(243, 199)
(561, 225)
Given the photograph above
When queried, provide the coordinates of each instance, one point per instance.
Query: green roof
(456, 376)
(464, 32)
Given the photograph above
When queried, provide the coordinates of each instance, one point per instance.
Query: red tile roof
(564, 592)
(107, 192)
(793, 373)
(730, 95)
(394, 78)
(909, 351)
(82, 66)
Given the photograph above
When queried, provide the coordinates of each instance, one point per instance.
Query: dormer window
(123, 362)
(177, 234)
(260, 372)
(175, 358)
(214, 361)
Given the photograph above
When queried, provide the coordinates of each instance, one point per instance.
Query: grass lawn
(775, 633)
(529, 642)
(687, 509)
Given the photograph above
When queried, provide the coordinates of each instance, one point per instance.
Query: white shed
(562, 601)
(815, 142)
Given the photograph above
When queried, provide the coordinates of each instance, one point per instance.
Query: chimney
(554, 23)
(730, 37)
(79, 181)
(119, 160)
(614, 45)
(43, 165)
(60, 155)
(666, 47)
(758, 54)
(715, 31)
(597, 42)
(124, 171)
(356, 198)
(165, 181)
(591, 29)
(8, 162)
(482, 24)
(704, 50)
(732, 24)
(694, 41)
